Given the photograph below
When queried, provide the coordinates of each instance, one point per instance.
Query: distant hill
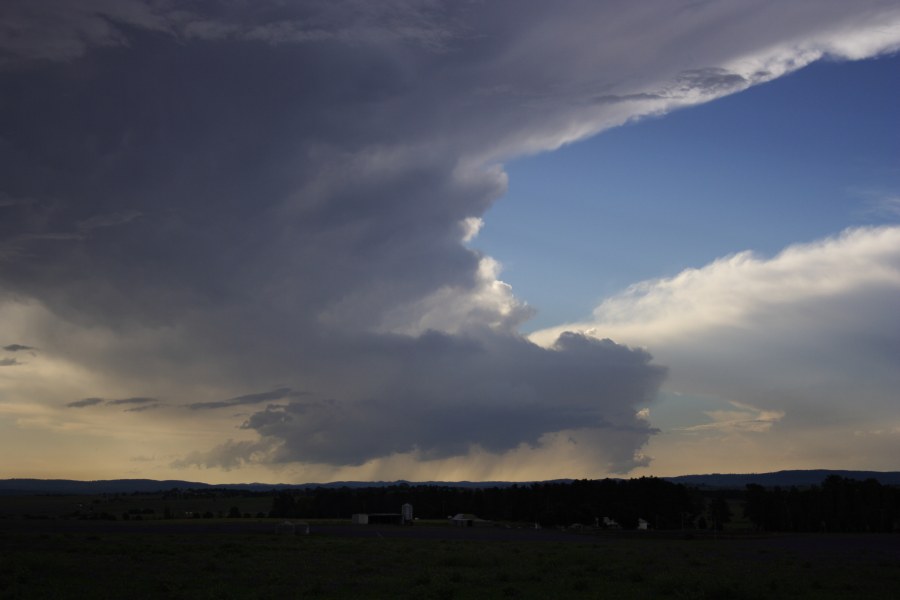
(127, 486)
(782, 478)
(112, 486)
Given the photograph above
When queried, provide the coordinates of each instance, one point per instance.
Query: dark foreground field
(248, 559)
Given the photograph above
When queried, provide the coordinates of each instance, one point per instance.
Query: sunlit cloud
(797, 342)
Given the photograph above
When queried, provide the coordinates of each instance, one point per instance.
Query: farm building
(385, 518)
(468, 520)
(405, 517)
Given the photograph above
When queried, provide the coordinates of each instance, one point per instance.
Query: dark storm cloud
(62, 30)
(458, 392)
(9, 362)
(85, 402)
(258, 179)
(278, 394)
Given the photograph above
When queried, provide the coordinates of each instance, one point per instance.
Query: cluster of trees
(839, 504)
(664, 505)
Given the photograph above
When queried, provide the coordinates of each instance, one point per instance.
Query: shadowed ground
(248, 559)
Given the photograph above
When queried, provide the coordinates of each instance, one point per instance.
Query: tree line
(839, 504)
(662, 504)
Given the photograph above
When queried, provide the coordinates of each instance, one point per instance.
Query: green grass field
(146, 563)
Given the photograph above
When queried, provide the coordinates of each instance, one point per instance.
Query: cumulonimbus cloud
(268, 195)
(451, 394)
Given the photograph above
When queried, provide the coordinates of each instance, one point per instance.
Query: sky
(309, 241)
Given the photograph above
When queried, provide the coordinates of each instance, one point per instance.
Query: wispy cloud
(85, 402)
(144, 407)
(6, 200)
(140, 403)
(136, 400)
(108, 220)
(744, 419)
(886, 206)
(18, 348)
(283, 393)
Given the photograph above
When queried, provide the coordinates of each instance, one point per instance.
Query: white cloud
(471, 226)
(453, 309)
(801, 343)
(743, 291)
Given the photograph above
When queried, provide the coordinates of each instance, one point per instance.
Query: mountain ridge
(786, 478)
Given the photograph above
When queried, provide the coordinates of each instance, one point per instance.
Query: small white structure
(468, 520)
(288, 528)
(610, 523)
(360, 519)
(643, 525)
(406, 512)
